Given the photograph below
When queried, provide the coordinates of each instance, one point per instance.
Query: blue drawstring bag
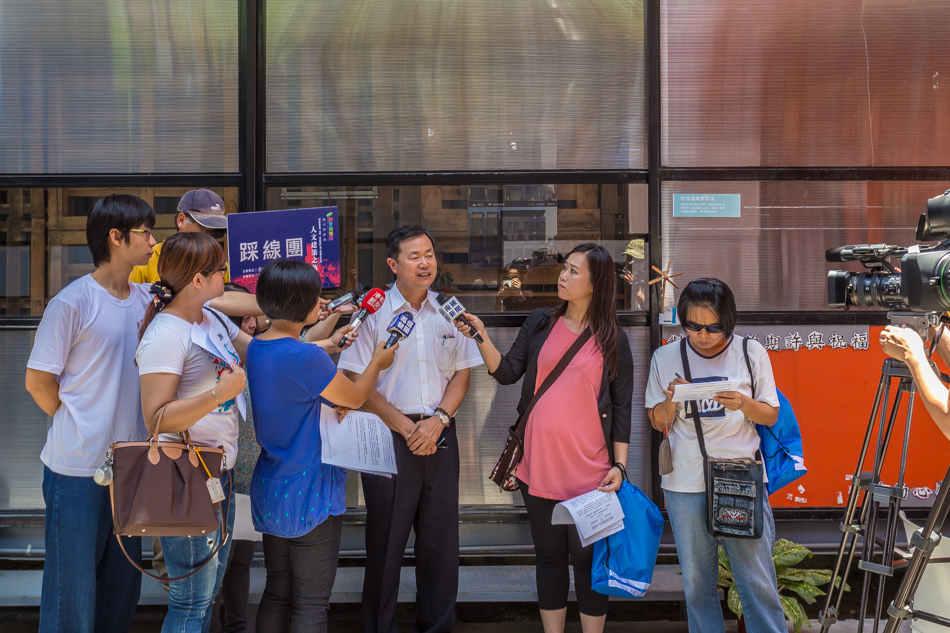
(623, 562)
(781, 443)
(782, 447)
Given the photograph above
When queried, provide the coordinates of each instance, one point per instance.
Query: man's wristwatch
(443, 415)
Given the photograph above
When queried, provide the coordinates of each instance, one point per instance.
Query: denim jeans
(88, 585)
(300, 575)
(190, 600)
(751, 561)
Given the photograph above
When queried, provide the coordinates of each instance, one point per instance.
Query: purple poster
(310, 235)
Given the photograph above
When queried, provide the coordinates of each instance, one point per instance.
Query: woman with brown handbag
(578, 431)
(190, 367)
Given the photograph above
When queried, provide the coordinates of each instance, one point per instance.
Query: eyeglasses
(712, 328)
(146, 232)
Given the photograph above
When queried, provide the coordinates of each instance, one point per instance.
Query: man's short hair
(288, 290)
(402, 233)
(119, 211)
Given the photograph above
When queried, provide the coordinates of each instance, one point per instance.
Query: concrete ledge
(495, 583)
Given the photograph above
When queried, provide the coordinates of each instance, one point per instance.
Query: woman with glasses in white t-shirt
(190, 362)
(707, 309)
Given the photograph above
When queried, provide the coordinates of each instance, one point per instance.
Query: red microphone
(372, 301)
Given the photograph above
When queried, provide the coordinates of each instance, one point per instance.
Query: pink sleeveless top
(565, 449)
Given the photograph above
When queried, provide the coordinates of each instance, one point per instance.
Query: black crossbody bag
(735, 492)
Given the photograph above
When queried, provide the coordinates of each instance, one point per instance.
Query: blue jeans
(190, 600)
(751, 561)
(88, 585)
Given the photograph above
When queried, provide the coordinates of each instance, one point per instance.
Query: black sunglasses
(713, 328)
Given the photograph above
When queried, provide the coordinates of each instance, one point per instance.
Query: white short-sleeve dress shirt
(425, 361)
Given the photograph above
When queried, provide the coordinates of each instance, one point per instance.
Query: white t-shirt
(728, 434)
(169, 347)
(425, 361)
(88, 338)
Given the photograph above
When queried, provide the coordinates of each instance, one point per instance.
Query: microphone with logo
(452, 309)
(400, 327)
(372, 301)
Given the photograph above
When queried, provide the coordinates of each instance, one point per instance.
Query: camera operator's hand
(901, 342)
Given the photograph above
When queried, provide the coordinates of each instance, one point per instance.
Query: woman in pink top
(577, 434)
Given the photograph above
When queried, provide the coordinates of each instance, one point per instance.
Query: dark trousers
(229, 612)
(552, 546)
(88, 584)
(300, 575)
(423, 497)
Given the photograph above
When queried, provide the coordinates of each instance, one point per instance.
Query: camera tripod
(880, 503)
(924, 541)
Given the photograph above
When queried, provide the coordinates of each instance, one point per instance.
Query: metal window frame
(252, 180)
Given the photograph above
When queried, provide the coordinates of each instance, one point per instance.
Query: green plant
(803, 582)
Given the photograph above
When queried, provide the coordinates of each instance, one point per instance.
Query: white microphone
(452, 309)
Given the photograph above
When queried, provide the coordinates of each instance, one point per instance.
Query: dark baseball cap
(205, 207)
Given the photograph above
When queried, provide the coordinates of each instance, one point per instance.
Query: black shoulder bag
(735, 492)
(503, 474)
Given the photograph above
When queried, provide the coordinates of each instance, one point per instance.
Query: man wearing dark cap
(198, 210)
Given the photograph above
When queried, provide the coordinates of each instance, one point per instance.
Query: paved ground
(149, 620)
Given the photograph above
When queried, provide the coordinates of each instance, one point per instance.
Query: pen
(677, 375)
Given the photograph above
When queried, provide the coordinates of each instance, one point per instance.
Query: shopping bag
(781, 446)
(623, 562)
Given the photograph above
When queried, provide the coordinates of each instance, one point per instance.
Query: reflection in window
(500, 247)
(773, 255)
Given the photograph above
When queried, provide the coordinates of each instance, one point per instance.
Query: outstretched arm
(905, 345)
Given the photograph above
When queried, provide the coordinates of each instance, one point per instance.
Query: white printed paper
(361, 442)
(220, 348)
(596, 514)
(702, 390)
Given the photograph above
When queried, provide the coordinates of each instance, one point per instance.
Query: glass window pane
(773, 255)
(807, 83)
(23, 427)
(118, 87)
(68, 257)
(500, 248)
(370, 85)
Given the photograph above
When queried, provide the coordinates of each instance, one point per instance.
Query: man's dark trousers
(423, 496)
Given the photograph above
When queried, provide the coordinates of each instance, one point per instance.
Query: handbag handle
(222, 526)
(517, 430)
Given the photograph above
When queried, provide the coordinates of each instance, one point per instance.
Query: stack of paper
(597, 515)
(702, 390)
(361, 442)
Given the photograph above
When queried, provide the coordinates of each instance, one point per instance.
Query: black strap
(748, 363)
(695, 407)
(220, 320)
(518, 429)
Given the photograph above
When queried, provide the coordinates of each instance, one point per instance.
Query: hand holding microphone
(453, 311)
(372, 301)
(344, 299)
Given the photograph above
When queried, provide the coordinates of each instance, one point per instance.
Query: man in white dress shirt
(416, 398)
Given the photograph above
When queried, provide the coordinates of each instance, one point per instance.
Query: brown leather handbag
(504, 474)
(160, 488)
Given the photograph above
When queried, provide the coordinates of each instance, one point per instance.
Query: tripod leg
(924, 540)
(850, 528)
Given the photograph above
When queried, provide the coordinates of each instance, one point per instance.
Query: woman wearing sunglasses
(707, 309)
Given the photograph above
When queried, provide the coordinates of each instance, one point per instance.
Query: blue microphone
(400, 327)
